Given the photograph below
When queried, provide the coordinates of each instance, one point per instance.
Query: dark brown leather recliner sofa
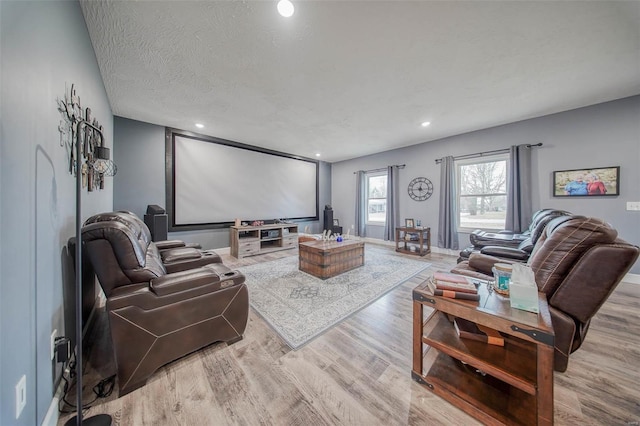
(156, 316)
(577, 264)
(508, 244)
(175, 255)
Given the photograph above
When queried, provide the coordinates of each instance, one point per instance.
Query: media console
(254, 240)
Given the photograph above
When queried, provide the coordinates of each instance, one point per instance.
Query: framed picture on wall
(604, 181)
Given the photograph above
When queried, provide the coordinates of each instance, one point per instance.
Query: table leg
(417, 337)
(545, 385)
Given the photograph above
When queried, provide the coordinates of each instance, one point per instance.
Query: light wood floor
(359, 373)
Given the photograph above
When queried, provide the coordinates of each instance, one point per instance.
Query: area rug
(299, 306)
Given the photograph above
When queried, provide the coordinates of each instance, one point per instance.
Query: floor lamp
(99, 153)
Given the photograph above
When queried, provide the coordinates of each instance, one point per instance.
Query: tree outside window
(482, 192)
(376, 198)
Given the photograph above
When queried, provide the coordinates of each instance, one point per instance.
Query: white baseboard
(377, 241)
(632, 278)
(51, 419)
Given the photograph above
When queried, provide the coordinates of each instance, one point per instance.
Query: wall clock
(420, 188)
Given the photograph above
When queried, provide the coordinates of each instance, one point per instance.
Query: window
(482, 192)
(376, 198)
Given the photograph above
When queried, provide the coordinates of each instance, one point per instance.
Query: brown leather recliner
(155, 316)
(175, 255)
(509, 245)
(577, 264)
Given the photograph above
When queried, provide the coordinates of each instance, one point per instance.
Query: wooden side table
(494, 384)
(413, 240)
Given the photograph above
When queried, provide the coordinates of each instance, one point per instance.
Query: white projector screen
(216, 181)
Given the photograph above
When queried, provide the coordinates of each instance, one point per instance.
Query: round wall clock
(420, 188)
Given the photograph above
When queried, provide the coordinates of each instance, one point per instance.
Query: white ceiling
(351, 78)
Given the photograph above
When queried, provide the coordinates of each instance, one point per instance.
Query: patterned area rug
(299, 306)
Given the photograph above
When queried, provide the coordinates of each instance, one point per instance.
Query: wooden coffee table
(496, 385)
(326, 259)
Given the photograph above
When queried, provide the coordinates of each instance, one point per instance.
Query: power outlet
(633, 205)
(21, 395)
(54, 334)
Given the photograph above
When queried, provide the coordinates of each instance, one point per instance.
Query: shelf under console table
(413, 240)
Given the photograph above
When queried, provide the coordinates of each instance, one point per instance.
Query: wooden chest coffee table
(326, 259)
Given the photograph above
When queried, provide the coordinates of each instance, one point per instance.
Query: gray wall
(140, 155)
(602, 135)
(45, 46)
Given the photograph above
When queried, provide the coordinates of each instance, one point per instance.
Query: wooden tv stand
(254, 240)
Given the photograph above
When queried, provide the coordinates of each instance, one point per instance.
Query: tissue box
(523, 297)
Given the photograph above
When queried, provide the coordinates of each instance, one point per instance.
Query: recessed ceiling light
(285, 8)
(317, 154)
(200, 126)
(425, 124)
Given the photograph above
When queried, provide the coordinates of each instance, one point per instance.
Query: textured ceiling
(351, 78)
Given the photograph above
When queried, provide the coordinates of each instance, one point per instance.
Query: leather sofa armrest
(484, 263)
(186, 280)
(216, 276)
(505, 252)
(206, 257)
(169, 244)
(592, 279)
(182, 286)
(179, 254)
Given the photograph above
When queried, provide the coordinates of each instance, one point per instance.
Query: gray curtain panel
(361, 204)
(448, 220)
(519, 209)
(391, 220)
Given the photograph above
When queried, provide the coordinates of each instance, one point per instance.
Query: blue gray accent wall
(45, 47)
(140, 155)
(602, 135)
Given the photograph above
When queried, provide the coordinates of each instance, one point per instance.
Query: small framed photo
(336, 222)
(587, 182)
(408, 223)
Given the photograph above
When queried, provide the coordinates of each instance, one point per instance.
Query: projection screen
(215, 181)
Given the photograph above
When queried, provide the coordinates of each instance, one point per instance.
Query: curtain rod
(400, 166)
(481, 154)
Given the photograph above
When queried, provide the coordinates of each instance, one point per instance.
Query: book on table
(452, 294)
(453, 282)
(470, 330)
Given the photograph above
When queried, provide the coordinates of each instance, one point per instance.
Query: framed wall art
(604, 181)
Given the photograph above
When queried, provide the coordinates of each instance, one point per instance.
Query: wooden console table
(413, 240)
(494, 384)
(253, 240)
